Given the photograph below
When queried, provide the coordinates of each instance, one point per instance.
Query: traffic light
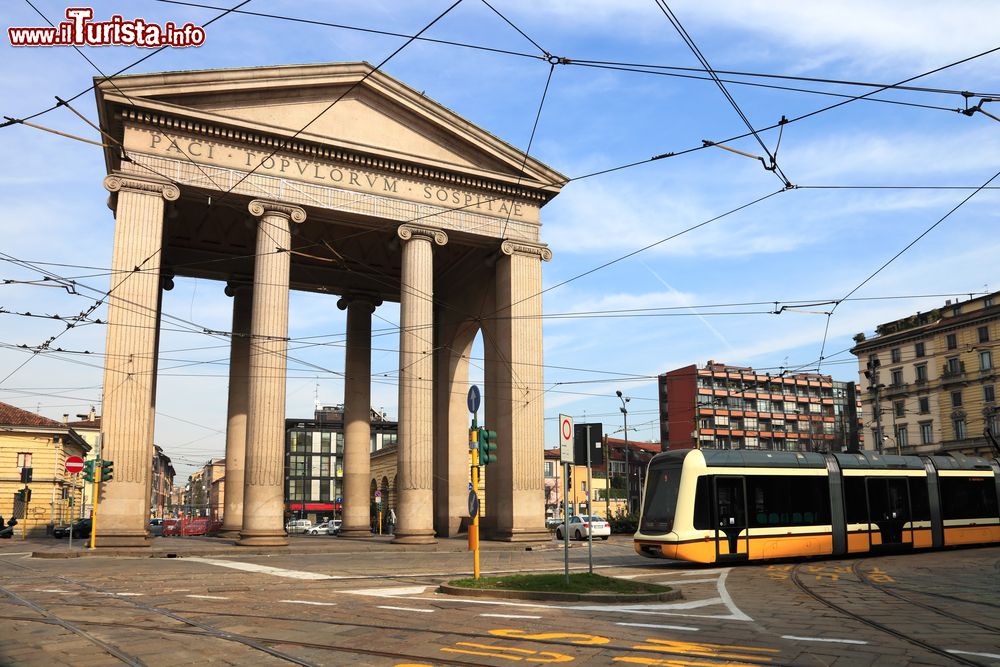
(25, 475)
(487, 446)
(26, 494)
(88, 470)
(107, 471)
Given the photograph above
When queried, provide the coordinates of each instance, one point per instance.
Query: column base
(118, 540)
(521, 535)
(356, 532)
(233, 534)
(262, 539)
(421, 537)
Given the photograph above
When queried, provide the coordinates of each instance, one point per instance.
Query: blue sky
(801, 245)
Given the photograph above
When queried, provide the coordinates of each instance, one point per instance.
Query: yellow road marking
(574, 638)
(676, 662)
(707, 650)
(499, 652)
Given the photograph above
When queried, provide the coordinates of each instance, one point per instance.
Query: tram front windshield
(662, 486)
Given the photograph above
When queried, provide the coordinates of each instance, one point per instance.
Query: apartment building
(929, 379)
(735, 407)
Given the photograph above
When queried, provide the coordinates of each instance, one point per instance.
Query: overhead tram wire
(225, 12)
(676, 23)
(904, 249)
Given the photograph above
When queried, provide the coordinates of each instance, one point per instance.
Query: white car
(298, 526)
(331, 527)
(580, 526)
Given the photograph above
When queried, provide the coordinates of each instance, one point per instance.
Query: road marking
(180, 590)
(981, 655)
(423, 611)
(50, 590)
(695, 573)
(264, 569)
(391, 591)
(507, 616)
(318, 604)
(823, 639)
(667, 583)
(724, 594)
(659, 627)
(124, 595)
(17, 553)
(206, 597)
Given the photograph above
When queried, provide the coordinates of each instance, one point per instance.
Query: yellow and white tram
(713, 505)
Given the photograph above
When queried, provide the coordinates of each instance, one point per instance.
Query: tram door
(889, 509)
(730, 496)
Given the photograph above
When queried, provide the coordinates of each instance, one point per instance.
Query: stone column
(129, 400)
(516, 484)
(415, 516)
(264, 481)
(236, 423)
(357, 413)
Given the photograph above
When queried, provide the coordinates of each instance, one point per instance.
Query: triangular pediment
(374, 114)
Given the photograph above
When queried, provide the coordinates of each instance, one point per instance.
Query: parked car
(81, 528)
(580, 526)
(334, 527)
(298, 526)
(319, 529)
(553, 522)
(156, 527)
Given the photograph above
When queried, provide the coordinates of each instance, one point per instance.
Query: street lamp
(628, 484)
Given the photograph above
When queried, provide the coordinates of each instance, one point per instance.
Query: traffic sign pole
(566, 457)
(93, 515)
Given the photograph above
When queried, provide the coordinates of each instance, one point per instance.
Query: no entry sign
(565, 439)
(74, 464)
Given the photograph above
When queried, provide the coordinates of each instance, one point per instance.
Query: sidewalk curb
(604, 598)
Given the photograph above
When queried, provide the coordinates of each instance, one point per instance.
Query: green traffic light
(107, 471)
(88, 470)
(487, 446)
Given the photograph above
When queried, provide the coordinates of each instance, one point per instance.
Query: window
(921, 370)
(787, 501)
(993, 423)
(925, 405)
(549, 469)
(985, 360)
(897, 377)
(926, 433)
(899, 408)
(661, 498)
(952, 342)
(956, 310)
(984, 334)
(988, 302)
(895, 355)
(959, 425)
(956, 399)
(954, 366)
(989, 395)
(968, 497)
(918, 349)
(902, 438)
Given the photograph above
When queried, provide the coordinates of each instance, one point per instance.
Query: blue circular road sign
(474, 399)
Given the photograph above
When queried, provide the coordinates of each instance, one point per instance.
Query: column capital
(407, 232)
(526, 248)
(261, 207)
(372, 300)
(131, 182)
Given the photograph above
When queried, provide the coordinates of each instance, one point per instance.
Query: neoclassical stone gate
(249, 177)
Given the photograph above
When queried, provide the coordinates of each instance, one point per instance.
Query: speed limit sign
(565, 439)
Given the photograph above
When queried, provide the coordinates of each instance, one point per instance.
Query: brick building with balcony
(932, 379)
(734, 407)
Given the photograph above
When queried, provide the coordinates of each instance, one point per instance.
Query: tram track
(797, 580)
(201, 629)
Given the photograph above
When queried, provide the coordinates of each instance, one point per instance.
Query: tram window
(855, 500)
(702, 505)
(968, 497)
(919, 499)
(661, 499)
(788, 501)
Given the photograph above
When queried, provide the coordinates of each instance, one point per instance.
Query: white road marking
(391, 592)
(124, 595)
(508, 616)
(824, 639)
(180, 590)
(724, 594)
(50, 590)
(318, 604)
(981, 655)
(695, 573)
(264, 569)
(423, 611)
(206, 597)
(17, 553)
(668, 583)
(659, 627)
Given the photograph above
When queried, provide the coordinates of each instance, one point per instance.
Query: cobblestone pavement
(340, 602)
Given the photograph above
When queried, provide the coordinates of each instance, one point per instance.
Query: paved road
(373, 604)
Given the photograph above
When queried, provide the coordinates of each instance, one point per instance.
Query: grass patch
(556, 583)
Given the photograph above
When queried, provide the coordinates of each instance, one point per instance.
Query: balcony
(896, 389)
(951, 374)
